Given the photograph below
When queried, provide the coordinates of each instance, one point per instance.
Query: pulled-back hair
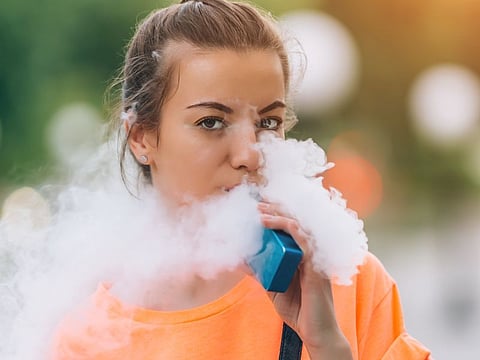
(205, 24)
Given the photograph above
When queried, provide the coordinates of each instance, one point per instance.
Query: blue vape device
(276, 262)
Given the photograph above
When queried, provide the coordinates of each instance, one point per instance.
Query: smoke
(96, 238)
(293, 170)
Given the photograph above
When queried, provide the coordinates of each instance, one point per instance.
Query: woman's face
(211, 120)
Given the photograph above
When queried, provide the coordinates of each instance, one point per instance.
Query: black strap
(291, 346)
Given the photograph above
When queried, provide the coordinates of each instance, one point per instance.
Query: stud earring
(143, 159)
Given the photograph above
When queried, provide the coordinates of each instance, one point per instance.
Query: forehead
(252, 76)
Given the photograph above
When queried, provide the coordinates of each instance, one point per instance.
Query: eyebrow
(274, 105)
(228, 110)
(212, 105)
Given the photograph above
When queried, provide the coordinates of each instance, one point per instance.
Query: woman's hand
(307, 305)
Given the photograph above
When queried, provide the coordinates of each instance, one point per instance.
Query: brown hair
(207, 24)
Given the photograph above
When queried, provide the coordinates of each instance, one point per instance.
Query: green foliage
(53, 52)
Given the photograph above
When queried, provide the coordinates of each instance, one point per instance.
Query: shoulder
(86, 330)
(363, 306)
(373, 282)
(372, 277)
(370, 315)
(370, 286)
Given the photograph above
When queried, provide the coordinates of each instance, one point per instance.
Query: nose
(244, 155)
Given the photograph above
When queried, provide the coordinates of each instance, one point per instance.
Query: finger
(291, 227)
(266, 208)
(271, 208)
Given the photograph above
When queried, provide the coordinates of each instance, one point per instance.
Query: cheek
(209, 156)
(197, 171)
(191, 157)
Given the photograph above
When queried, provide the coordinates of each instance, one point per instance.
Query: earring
(143, 159)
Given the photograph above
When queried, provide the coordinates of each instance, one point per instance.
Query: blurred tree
(53, 52)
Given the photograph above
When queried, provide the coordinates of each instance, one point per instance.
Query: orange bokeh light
(357, 179)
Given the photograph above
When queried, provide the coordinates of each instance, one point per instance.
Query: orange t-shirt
(242, 324)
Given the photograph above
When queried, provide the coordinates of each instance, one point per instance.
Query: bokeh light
(74, 133)
(445, 104)
(358, 180)
(354, 175)
(23, 210)
(332, 60)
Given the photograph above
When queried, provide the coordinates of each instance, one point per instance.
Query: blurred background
(391, 91)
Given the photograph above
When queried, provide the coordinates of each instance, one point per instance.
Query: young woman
(202, 81)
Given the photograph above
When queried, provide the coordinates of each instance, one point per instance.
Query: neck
(192, 292)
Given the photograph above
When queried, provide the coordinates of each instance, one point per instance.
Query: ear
(140, 142)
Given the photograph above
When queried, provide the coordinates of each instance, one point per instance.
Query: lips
(229, 188)
(251, 179)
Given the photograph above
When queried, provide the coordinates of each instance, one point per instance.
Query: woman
(202, 81)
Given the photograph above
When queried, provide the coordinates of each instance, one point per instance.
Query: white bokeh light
(74, 133)
(332, 60)
(445, 104)
(23, 211)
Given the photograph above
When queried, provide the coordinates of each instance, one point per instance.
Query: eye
(211, 123)
(270, 123)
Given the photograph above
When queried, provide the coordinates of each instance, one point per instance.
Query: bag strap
(291, 346)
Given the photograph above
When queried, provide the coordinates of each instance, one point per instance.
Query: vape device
(276, 262)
